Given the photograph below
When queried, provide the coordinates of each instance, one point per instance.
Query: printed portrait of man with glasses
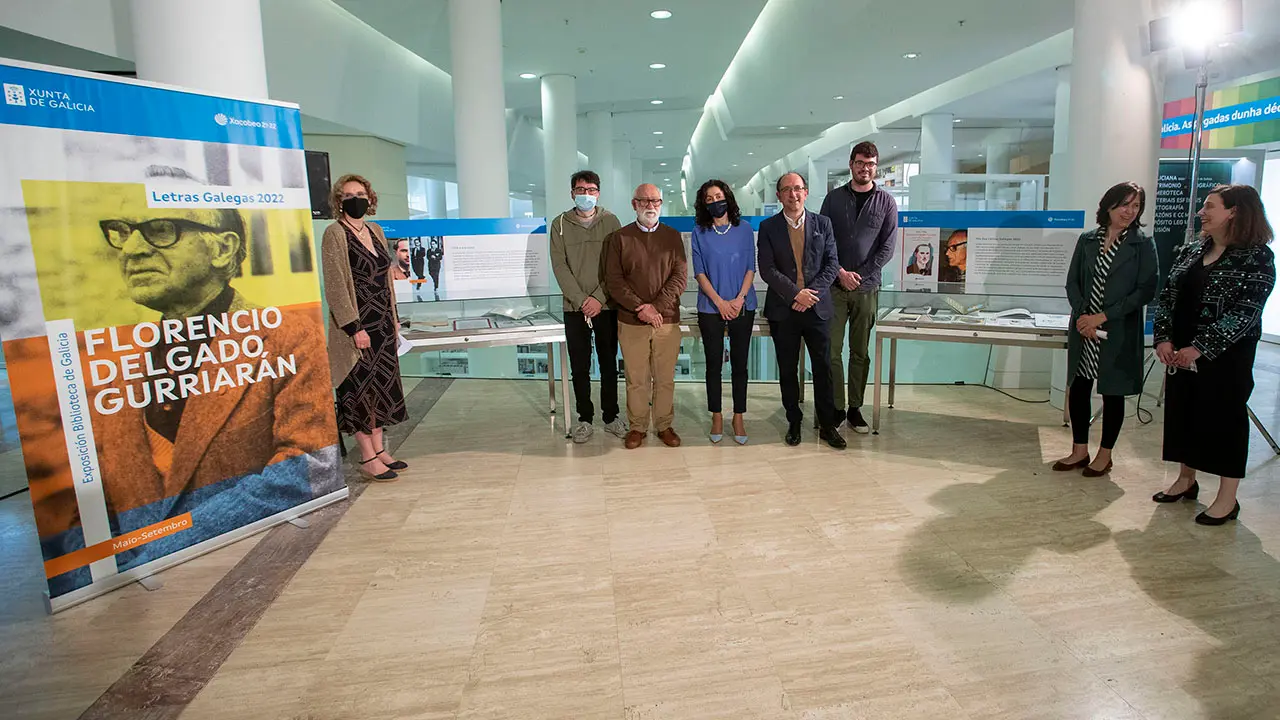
(180, 262)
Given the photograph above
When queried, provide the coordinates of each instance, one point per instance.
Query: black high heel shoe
(1190, 493)
(395, 465)
(1205, 518)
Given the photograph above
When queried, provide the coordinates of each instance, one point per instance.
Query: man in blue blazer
(797, 258)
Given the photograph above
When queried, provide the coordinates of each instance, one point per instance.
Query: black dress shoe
(793, 434)
(1205, 518)
(833, 438)
(1190, 493)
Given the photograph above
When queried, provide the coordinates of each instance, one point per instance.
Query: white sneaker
(617, 428)
(582, 432)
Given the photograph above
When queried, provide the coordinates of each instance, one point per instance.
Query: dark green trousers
(855, 316)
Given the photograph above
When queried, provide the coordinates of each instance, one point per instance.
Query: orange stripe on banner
(108, 548)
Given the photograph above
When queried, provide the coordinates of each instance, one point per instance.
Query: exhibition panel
(167, 364)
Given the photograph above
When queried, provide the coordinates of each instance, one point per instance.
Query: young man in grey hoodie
(577, 259)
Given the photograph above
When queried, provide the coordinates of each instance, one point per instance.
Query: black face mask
(718, 208)
(355, 207)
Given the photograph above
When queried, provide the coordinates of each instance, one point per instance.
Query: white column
(817, 175)
(559, 133)
(620, 184)
(479, 108)
(600, 151)
(1060, 161)
(1112, 77)
(997, 164)
(437, 200)
(216, 47)
(937, 157)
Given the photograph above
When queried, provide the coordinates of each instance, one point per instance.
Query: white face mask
(585, 203)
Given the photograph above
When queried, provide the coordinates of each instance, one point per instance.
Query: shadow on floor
(1222, 581)
(991, 529)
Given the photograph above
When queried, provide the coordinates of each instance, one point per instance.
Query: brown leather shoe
(669, 438)
(634, 439)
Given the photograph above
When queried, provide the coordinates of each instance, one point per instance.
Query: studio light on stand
(1197, 26)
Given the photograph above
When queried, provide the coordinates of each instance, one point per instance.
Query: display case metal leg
(893, 368)
(875, 412)
(564, 384)
(551, 375)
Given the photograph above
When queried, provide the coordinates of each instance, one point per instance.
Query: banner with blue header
(162, 325)
(987, 253)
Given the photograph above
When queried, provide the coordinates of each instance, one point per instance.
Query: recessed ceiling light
(527, 76)
(735, 164)
(664, 165)
(751, 153)
(953, 146)
(658, 147)
(657, 132)
(657, 66)
(911, 55)
(895, 147)
(782, 127)
(532, 185)
(979, 154)
(838, 97)
(660, 14)
(957, 120)
(655, 102)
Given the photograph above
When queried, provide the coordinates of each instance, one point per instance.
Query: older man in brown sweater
(645, 274)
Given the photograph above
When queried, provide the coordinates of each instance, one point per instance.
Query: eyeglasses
(793, 188)
(860, 164)
(647, 202)
(159, 234)
(957, 245)
(586, 191)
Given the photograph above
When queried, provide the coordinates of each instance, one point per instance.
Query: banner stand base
(151, 583)
(299, 522)
(75, 597)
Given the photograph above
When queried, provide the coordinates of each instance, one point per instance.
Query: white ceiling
(779, 63)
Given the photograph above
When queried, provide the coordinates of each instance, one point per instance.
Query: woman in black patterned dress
(1111, 279)
(363, 333)
(1207, 331)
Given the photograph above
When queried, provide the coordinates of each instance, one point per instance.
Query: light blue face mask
(585, 203)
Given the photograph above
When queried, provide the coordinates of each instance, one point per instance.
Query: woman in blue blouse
(724, 252)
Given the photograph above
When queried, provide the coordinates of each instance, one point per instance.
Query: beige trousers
(650, 356)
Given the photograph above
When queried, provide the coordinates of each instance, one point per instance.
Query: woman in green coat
(1111, 279)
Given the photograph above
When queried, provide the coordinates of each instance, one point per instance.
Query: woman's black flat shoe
(387, 476)
(1206, 519)
(395, 464)
(1191, 493)
(1091, 473)
(1068, 467)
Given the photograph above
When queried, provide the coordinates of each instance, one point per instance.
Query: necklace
(717, 230)
(795, 225)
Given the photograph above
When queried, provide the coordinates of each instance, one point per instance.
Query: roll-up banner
(161, 322)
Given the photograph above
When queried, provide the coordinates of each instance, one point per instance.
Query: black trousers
(1080, 403)
(808, 329)
(713, 327)
(577, 335)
